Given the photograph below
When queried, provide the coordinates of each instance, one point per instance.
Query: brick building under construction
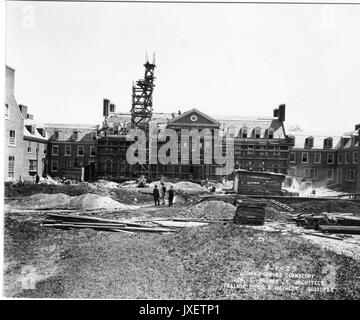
(260, 144)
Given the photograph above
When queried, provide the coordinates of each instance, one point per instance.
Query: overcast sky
(236, 59)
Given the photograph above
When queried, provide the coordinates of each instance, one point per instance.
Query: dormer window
(231, 132)
(309, 142)
(56, 134)
(6, 111)
(244, 132)
(328, 143)
(270, 133)
(75, 134)
(257, 133)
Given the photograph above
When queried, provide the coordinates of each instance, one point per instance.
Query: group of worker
(160, 195)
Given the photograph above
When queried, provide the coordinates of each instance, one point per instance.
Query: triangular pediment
(194, 117)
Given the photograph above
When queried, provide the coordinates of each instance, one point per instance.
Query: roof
(34, 135)
(66, 131)
(251, 123)
(319, 138)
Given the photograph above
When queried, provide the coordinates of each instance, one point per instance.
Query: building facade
(25, 140)
(331, 161)
(260, 144)
(72, 151)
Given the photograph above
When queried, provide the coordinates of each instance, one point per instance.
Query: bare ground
(196, 263)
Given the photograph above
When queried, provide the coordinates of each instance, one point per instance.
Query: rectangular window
(12, 137)
(304, 157)
(347, 158)
(54, 165)
(350, 175)
(29, 147)
(355, 157)
(67, 150)
(292, 157)
(340, 158)
(80, 150)
(37, 147)
(55, 150)
(310, 173)
(330, 159)
(32, 165)
(317, 158)
(11, 167)
(330, 174)
(92, 151)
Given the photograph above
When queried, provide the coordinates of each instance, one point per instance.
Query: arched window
(270, 133)
(231, 132)
(244, 132)
(257, 133)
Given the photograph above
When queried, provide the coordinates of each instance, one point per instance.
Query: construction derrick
(141, 111)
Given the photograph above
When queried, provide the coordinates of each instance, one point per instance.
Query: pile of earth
(86, 201)
(182, 187)
(210, 210)
(314, 206)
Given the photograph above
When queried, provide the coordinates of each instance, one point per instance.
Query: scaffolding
(142, 106)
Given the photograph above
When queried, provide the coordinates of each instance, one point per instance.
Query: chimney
(106, 107)
(282, 112)
(357, 127)
(23, 110)
(276, 113)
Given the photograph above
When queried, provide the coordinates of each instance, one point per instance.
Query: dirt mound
(91, 201)
(211, 210)
(327, 206)
(88, 201)
(43, 200)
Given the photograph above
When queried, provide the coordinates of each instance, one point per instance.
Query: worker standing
(163, 189)
(171, 196)
(156, 195)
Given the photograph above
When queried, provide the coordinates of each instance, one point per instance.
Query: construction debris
(211, 210)
(80, 222)
(252, 213)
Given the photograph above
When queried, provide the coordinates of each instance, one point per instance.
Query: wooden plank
(340, 229)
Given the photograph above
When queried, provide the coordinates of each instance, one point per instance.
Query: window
(317, 157)
(6, 111)
(54, 165)
(11, 167)
(339, 158)
(92, 151)
(257, 133)
(330, 159)
(347, 157)
(355, 157)
(309, 142)
(29, 147)
(328, 143)
(310, 173)
(270, 133)
(67, 150)
(37, 147)
(32, 165)
(75, 135)
(231, 132)
(304, 157)
(292, 157)
(12, 137)
(55, 150)
(350, 175)
(56, 134)
(80, 150)
(244, 132)
(330, 174)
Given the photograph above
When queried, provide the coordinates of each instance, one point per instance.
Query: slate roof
(319, 138)
(34, 135)
(66, 131)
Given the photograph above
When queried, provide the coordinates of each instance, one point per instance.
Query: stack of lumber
(250, 213)
(345, 223)
(282, 205)
(68, 221)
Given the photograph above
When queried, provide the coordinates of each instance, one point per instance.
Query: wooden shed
(258, 182)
